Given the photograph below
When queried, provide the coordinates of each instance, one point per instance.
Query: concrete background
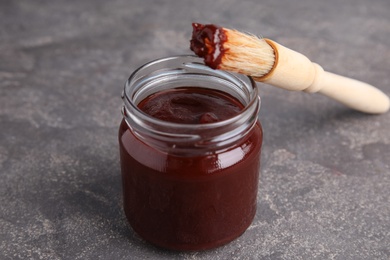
(325, 176)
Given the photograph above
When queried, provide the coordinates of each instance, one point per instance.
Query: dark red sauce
(185, 202)
(207, 42)
(191, 105)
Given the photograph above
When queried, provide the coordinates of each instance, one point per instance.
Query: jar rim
(181, 66)
(197, 61)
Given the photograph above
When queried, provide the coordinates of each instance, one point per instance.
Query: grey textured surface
(325, 177)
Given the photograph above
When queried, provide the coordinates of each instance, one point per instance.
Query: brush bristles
(247, 54)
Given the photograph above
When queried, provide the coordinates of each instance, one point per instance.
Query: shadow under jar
(190, 169)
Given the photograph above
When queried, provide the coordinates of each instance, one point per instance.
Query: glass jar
(189, 186)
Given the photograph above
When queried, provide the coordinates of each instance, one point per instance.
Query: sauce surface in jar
(191, 105)
(190, 201)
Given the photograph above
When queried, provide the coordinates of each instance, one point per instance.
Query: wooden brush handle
(294, 71)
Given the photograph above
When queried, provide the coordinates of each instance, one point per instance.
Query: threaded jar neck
(189, 71)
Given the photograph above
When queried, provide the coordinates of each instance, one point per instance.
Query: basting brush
(269, 62)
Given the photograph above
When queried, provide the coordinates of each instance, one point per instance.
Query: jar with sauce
(190, 144)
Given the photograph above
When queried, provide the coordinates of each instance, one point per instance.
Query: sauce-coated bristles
(232, 50)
